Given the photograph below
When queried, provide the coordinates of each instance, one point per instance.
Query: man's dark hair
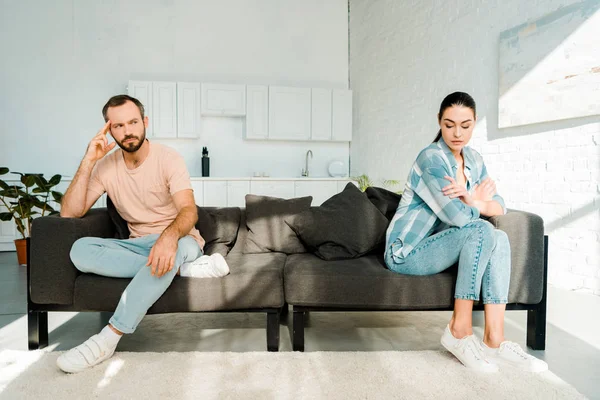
(119, 100)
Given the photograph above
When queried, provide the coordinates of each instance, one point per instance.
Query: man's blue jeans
(127, 258)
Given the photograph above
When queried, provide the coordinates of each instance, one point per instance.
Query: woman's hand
(455, 190)
(485, 190)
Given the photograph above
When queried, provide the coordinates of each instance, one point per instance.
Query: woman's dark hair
(455, 99)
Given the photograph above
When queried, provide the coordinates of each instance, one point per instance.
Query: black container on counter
(205, 162)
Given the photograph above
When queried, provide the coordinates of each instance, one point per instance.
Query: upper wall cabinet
(142, 90)
(173, 109)
(257, 115)
(223, 100)
(188, 109)
(321, 114)
(272, 112)
(164, 109)
(289, 113)
(341, 124)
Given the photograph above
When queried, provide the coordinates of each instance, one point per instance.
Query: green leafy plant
(23, 203)
(364, 181)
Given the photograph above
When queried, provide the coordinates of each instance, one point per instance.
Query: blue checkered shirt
(424, 209)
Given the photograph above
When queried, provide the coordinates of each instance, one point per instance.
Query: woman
(438, 224)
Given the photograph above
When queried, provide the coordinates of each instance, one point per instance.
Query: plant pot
(21, 245)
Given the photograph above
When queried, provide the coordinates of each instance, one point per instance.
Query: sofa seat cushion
(255, 281)
(363, 282)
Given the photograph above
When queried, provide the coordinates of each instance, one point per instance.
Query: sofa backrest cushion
(121, 228)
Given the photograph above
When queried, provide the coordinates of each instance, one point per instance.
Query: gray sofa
(269, 282)
(362, 284)
(255, 282)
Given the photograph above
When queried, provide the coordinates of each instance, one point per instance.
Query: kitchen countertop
(247, 178)
(270, 178)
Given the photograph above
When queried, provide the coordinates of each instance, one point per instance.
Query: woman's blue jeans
(127, 258)
(482, 253)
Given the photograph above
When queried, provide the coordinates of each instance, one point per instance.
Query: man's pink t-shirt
(143, 195)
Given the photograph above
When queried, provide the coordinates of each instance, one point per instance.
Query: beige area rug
(262, 375)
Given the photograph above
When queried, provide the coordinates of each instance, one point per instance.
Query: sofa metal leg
(37, 327)
(273, 330)
(284, 311)
(536, 319)
(298, 331)
(536, 329)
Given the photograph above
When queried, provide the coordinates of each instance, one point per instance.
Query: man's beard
(133, 146)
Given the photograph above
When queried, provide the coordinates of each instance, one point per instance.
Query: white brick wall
(405, 56)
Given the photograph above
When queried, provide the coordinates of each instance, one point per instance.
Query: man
(150, 188)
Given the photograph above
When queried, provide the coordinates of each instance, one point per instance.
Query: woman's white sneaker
(510, 354)
(468, 350)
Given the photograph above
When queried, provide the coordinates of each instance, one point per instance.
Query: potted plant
(364, 182)
(23, 203)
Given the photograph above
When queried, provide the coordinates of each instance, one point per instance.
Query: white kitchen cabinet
(321, 114)
(188, 109)
(341, 124)
(164, 109)
(223, 100)
(198, 188)
(282, 189)
(236, 193)
(319, 190)
(142, 90)
(289, 113)
(215, 193)
(257, 112)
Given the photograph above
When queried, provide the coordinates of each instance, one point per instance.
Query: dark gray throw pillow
(219, 227)
(267, 230)
(385, 201)
(346, 226)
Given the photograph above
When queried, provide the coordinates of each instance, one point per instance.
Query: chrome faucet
(305, 170)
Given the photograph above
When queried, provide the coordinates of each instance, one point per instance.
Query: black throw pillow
(385, 201)
(345, 226)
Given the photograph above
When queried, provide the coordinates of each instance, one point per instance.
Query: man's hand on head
(99, 146)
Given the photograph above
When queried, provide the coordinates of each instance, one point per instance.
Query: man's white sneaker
(91, 352)
(213, 266)
(468, 350)
(510, 354)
